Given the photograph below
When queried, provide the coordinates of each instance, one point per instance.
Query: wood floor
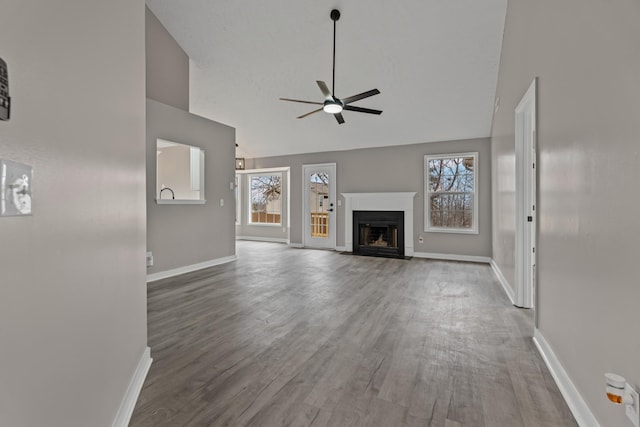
(316, 338)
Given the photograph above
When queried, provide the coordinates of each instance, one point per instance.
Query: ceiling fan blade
(304, 102)
(310, 113)
(325, 90)
(360, 96)
(361, 110)
(339, 118)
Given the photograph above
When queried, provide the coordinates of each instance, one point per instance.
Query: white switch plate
(221, 202)
(16, 182)
(149, 259)
(633, 411)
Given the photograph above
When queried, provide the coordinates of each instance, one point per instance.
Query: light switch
(221, 202)
(15, 188)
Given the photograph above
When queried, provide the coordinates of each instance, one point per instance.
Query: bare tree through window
(266, 202)
(450, 191)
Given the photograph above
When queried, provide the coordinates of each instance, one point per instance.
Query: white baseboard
(189, 268)
(263, 239)
(577, 405)
(341, 248)
(503, 281)
(133, 391)
(452, 257)
(296, 245)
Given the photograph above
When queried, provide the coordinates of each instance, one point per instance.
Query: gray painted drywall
(183, 235)
(587, 60)
(72, 284)
(397, 168)
(167, 65)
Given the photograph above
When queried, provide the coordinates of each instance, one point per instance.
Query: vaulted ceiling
(435, 63)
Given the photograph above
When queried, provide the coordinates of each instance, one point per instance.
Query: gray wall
(182, 235)
(397, 168)
(587, 59)
(72, 289)
(167, 65)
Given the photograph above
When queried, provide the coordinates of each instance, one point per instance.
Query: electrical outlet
(149, 259)
(633, 410)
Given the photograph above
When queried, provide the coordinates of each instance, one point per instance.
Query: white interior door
(525, 130)
(319, 211)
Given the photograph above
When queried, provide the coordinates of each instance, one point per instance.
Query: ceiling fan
(332, 104)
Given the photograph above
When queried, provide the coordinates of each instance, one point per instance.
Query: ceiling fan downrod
(335, 15)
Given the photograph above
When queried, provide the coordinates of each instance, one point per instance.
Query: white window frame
(250, 200)
(427, 194)
(238, 199)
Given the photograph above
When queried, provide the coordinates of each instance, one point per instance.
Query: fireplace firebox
(378, 233)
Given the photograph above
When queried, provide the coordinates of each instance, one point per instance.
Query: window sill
(260, 224)
(180, 202)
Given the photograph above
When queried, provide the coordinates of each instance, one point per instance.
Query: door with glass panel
(319, 212)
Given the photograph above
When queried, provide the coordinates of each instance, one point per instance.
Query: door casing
(526, 218)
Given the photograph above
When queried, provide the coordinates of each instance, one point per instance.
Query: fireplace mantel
(396, 201)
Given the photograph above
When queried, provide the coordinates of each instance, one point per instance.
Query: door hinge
(534, 250)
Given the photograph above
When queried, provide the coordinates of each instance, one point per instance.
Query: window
(450, 193)
(266, 198)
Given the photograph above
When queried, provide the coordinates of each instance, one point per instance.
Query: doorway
(319, 211)
(525, 131)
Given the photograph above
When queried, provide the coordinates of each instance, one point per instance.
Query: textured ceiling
(434, 62)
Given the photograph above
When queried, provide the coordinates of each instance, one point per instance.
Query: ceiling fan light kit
(332, 104)
(332, 107)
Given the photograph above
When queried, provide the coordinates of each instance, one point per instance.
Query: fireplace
(396, 201)
(378, 233)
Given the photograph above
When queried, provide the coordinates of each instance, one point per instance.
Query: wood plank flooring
(294, 337)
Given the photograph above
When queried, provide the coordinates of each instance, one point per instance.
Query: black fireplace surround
(378, 233)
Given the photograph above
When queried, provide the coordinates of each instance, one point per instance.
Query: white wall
(586, 57)
(72, 275)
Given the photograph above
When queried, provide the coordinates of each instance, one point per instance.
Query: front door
(319, 212)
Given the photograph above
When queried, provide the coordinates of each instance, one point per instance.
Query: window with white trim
(265, 199)
(451, 198)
